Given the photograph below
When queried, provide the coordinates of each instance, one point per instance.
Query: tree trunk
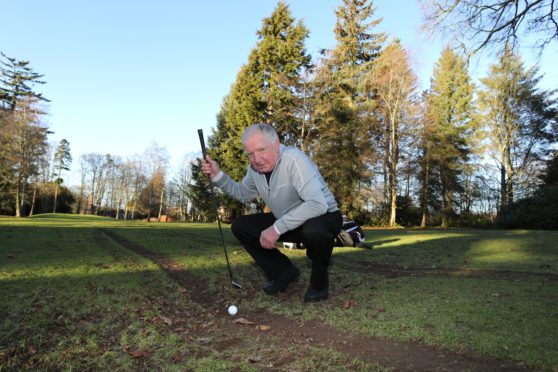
(445, 202)
(503, 191)
(393, 205)
(424, 193)
(55, 197)
(34, 199)
(161, 205)
(18, 194)
(133, 208)
(394, 160)
(150, 202)
(386, 164)
(126, 195)
(118, 202)
(509, 178)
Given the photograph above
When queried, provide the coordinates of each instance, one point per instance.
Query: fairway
(93, 293)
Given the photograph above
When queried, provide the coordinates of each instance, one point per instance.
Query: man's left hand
(268, 238)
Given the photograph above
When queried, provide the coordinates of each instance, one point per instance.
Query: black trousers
(317, 234)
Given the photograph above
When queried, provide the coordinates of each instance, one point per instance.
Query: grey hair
(265, 129)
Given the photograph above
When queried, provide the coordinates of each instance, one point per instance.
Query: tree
(84, 170)
(342, 128)
(139, 181)
(282, 60)
(518, 120)
(62, 161)
(424, 155)
(268, 89)
(156, 160)
(126, 186)
(199, 194)
(16, 81)
(550, 176)
(181, 183)
(393, 83)
(537, 211)
(115, 180)
(494, 23)
(23, 141)
(96, 165)
(449, 128)
(41, 181)
(22, 135)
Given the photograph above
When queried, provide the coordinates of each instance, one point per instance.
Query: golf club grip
(202, 143)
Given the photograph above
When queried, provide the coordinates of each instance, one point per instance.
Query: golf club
(214, 199)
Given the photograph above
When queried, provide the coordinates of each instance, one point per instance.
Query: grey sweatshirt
(296, 191)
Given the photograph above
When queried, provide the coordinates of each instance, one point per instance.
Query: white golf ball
(232, 310)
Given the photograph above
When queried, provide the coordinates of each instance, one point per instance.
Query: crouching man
(303, 210)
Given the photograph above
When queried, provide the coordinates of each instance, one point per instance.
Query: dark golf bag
(351, 235)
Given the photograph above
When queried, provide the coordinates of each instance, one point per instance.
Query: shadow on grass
(54, 271)
(73, 245)
(521, 251)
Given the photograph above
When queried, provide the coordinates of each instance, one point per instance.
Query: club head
(235, 284)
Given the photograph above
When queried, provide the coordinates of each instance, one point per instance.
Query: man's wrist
(217, 177)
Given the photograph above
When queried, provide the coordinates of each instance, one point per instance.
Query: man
(303, 210)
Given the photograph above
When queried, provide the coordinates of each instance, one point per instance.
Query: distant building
(164, 218)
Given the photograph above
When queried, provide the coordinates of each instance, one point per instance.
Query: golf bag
(351, 235)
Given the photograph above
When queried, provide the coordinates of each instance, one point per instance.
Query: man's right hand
(209, 167)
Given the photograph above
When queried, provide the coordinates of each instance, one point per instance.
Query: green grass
(517, 250)
(74, 299)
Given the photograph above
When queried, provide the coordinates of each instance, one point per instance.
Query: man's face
(262, 153)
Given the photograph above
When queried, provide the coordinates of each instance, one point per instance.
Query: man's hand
(209, 167)
(268, 238)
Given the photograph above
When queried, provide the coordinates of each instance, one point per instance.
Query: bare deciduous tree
(157, 160)
(493, 23)
(394, 84)
(23, 144)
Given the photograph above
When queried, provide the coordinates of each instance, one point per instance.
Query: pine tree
(19, 126)
(282, 61)
(518, 122)
(267, 89)
(62, 161)
(343, 130)
(16, 80)
(451, 114)
(240, 109)
(199, 193)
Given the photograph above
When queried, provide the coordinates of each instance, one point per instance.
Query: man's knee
(238, 225)
(315, 229)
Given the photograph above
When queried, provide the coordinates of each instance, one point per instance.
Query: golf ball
(232, 310)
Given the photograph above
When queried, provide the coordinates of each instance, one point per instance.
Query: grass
(72, 298)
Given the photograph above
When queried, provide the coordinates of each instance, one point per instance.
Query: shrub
(537, 212)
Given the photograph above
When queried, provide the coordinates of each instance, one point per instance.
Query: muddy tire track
(401, 356)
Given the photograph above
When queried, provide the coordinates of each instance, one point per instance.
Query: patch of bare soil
(285, 332)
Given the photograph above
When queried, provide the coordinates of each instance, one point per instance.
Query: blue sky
(123, 74)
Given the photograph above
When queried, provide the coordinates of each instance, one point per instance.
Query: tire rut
(401, 356)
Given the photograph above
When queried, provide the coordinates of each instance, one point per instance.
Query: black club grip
(202, 143)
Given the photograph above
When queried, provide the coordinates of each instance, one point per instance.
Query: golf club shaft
(214, 199)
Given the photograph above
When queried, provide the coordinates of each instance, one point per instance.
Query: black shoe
(281, 283)
(313, 295)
